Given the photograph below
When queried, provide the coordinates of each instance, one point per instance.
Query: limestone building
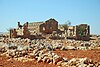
(34, 28)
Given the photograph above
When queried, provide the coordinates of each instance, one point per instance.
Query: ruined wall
(34, 27)
(26, 33)
(42, 28)
(83, 32)
(80, 32)
(71, 31)
(49, 26)
(60, 27)
(13, 33)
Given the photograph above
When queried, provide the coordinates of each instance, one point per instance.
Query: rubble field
(5, 62)
(93, 54)
(17, 52)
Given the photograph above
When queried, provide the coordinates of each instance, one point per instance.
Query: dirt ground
(92, 54)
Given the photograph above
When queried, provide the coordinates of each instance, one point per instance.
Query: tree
(81, 31)
(68, 23)
(65, 26)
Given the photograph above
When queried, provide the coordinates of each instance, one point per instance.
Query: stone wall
(49, 26)
(80, 32)
(83, 32)
(13, 33)
(34, 27)
(71, 31)
(26, 33)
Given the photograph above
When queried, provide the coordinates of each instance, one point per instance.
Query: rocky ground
(6, 62)
(92, 54)
(45, 53)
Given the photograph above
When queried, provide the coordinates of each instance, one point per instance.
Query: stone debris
(28, 50)
(81, 62)
(23, 59)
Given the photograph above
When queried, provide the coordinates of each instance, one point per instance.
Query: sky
(75, 11)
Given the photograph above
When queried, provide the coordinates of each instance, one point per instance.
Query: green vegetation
(81, 31)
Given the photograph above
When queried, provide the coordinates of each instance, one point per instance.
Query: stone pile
(84, 45)
(80, 62)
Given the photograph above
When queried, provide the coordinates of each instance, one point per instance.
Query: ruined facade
(49, 26)
(80, 32)
(33, 29)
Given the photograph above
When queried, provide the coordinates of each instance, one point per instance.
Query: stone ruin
(30, 30)
(38, 29)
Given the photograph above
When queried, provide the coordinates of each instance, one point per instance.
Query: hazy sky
(76, 11)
